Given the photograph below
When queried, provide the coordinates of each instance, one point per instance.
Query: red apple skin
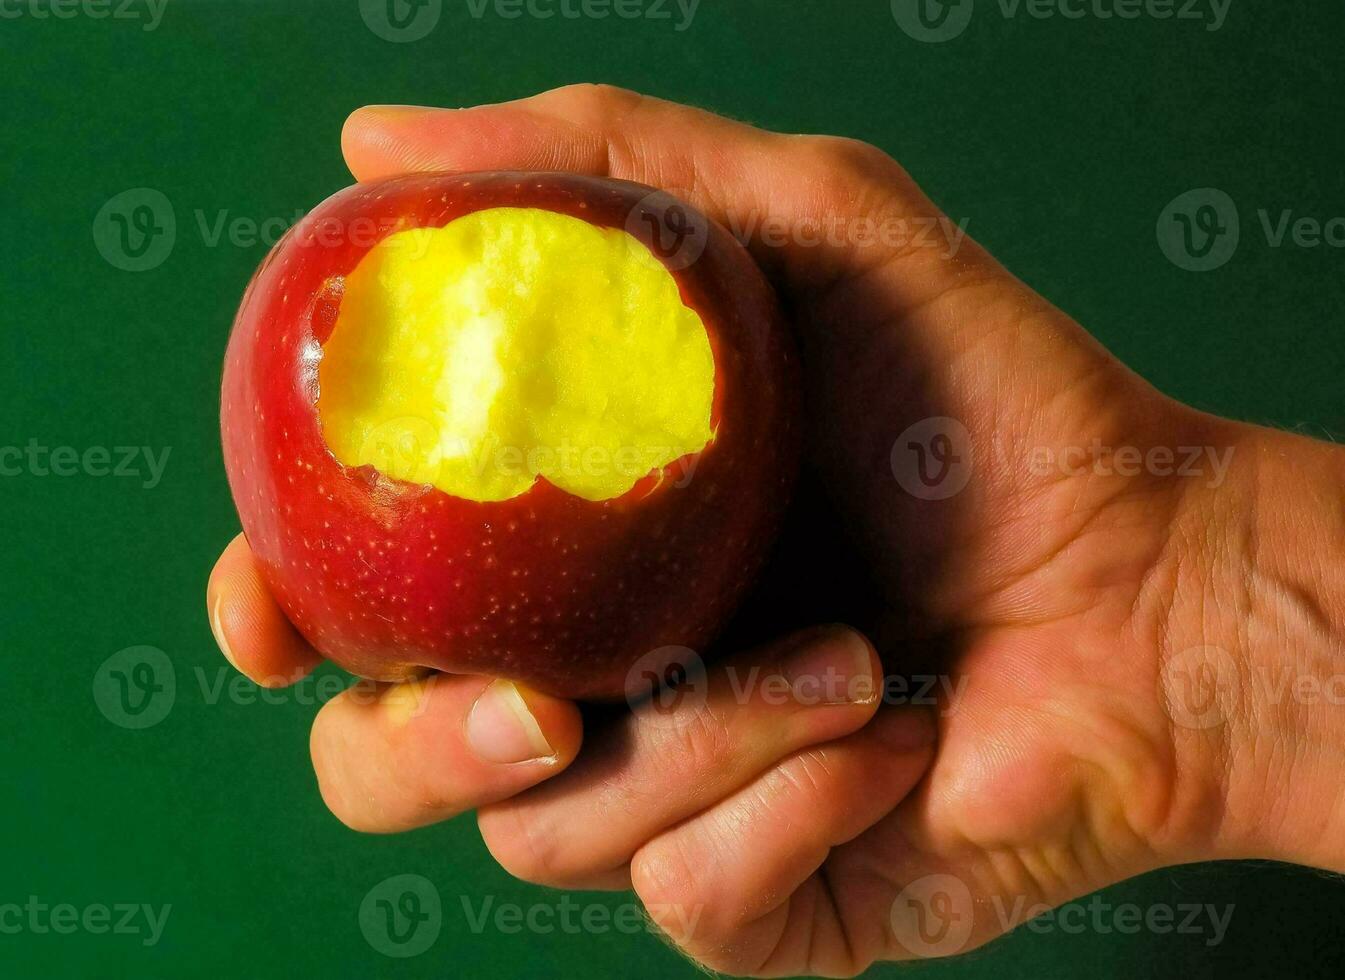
(388, 578)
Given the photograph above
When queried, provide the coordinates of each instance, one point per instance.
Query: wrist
(1254, 670)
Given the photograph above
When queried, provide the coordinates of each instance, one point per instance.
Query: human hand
(1066, 596)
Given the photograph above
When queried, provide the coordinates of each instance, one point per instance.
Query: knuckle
(846, 157)
(600, 95)
(699, 742)
(809, 775)
(521, 846)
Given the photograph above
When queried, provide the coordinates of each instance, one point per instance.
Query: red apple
(529, 425)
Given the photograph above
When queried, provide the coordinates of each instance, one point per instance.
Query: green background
(1060, 141)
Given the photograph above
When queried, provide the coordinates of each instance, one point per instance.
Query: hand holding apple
(778, 836)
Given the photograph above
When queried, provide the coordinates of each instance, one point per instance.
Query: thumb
(888, 294)
(812, 209)
(817, 212)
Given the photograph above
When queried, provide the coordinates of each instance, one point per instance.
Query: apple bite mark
(514, 344)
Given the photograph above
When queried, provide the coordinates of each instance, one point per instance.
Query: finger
(392, 757)
(880, 283)
(251, 630)
(660, 767)
(738, 887)
(783, 194)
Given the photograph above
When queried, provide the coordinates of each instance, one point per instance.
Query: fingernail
(906, 729)
(833, 666)
(217, 627)
(501, 727)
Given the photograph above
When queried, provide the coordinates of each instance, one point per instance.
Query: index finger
(779, 193)
(252, 632)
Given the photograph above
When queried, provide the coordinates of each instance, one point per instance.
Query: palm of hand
(1031, 590)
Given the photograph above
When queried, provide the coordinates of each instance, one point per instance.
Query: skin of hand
(1112, 622)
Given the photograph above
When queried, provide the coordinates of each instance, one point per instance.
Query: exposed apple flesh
(512, 344)
(482, 423)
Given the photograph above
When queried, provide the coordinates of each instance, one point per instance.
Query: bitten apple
(531, 425)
